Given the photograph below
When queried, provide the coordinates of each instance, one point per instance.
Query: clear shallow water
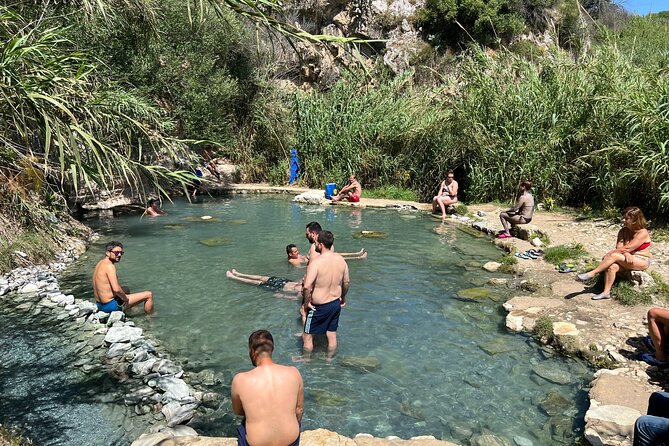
(440, 366)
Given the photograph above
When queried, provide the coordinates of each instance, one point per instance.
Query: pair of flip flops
(504, 235)
(530, 254)
(566, 267)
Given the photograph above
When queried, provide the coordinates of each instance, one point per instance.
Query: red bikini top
(643, 246)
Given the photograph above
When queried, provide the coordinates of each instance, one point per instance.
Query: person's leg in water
(658, 324)
(332, 343)
(246, 278)
(653, 429)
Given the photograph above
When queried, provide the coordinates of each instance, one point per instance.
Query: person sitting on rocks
(270, 397)
(658, 337)
(653, 429)
(351, 192)
(521, 213)
(294, 256)
(273, 283)
(109, 295)
(632, 252)
(153, 209)
(447, 194)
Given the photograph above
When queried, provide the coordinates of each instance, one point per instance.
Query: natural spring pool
(412, 358)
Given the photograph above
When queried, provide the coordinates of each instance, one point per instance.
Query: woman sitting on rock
(632, 251)
(521, 213)
(447, 194)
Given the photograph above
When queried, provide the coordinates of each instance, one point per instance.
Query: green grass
(543, 328)
(390, 193)
(38, 247)
(560, 253)
(509, 263)
(626, 294)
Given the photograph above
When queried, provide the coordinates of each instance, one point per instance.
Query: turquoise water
(436, 365)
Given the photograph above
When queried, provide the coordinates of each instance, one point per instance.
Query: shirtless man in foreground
(324, 293)
(270, 397)
(109, 295)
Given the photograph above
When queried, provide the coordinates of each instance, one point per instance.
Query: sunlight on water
(412, 359)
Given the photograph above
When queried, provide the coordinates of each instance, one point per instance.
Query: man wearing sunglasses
(109, 295)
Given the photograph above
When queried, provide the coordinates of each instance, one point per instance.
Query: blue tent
(294, 166)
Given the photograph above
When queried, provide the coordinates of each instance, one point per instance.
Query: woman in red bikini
(632, 252)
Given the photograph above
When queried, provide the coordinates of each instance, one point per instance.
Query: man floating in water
(324, 293)
(273, 283)
(270, 398)
(109, 295)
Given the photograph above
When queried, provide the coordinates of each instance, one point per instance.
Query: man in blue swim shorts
(270, 397)
(324, 292)
(109, 295)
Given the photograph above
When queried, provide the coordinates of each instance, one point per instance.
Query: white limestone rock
(123, 334)
(492, 266)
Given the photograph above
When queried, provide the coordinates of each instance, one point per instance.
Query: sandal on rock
(537, 252)
(522, 255)
(504, 235)
(583, 277)
(649, 358)
(566, 268)
(601, 296)
(531, 255)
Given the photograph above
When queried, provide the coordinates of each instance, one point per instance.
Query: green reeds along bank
(592, 129)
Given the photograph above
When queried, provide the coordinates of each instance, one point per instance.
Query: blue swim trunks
(241, 436)
(324, 318)
(110, 306)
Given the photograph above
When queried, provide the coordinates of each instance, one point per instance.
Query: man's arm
(308, 285)
(344, 285)
(237, 406)
(151, 212)
(299, 407)
(116, 288)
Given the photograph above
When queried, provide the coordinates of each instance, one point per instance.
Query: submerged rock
(370, 234)
(554, 404)
(362, 363)
(175, 413)
(325, 398)
(497, 346)
(175, 226)
(473, 294)
(213, 242)
(552, 374)
(489, 440)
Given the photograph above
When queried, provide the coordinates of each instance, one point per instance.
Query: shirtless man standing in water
(109, 295)
(324, 292)
(270, 397)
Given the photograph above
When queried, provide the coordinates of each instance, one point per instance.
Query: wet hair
(290, 248)
(638, 220)
(151, 201)
(326, 238)
(526, 184)
(314, 226)
(111, 245)
(261, 341)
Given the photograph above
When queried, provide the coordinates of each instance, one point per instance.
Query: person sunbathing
(632, 252)
(447, 195)
(293, 289)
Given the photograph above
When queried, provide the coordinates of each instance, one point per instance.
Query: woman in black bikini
(521, 213)
(632, 251)
(447, 196)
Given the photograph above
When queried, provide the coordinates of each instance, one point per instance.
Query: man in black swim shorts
(272, 283)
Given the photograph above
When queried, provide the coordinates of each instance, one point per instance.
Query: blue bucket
(330, 190)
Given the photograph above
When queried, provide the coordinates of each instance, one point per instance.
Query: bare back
(272, 398)
(326, 274)
(104, 281)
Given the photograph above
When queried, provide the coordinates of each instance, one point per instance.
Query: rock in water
(473, 294)
(362, 363)
(551, 374)
(123, 334)
(554, 404)
(489, 440)
(213, 242)
(175, 413)
(370, 234)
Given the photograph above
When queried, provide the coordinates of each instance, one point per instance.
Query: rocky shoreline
(154, 386)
